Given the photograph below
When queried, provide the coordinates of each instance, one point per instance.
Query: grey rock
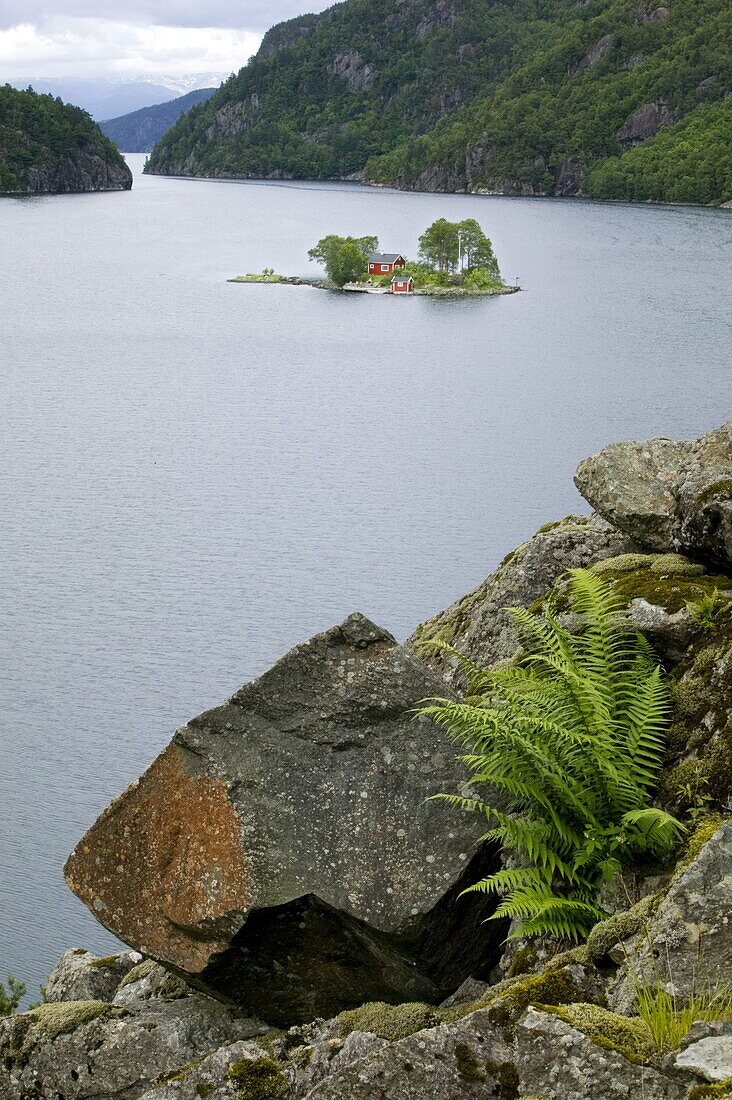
(645, 121)
(558, 1062)
(81, 976)
(709, 1058)
(669, 632)
(357, 73)
(468, 991)
(668, 495)
(306, 789)
(89, 1050)
(211, 1078)
(443, 1063)
(477, 624)
(310, 1065)
(688, 943)
(149, 982)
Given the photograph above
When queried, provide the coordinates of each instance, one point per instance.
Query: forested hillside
(138, 131)
(611, 98)
(49, 146)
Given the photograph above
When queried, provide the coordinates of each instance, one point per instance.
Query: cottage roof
(385, 257)
(402, 279)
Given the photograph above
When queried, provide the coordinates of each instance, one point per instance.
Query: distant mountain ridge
(107, 97)
(50, 147)
(625, 99)
(139, 131)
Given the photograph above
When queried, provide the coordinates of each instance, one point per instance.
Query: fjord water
(197, 475)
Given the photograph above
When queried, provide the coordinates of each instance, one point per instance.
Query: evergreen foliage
(38, 131)
(568, 745)
(11, 994)
(503, 95)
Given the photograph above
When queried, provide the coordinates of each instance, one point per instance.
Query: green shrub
(573, 738)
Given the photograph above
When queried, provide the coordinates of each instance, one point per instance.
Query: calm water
(196, 475)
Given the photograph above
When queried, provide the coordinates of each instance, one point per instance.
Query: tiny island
(456, 260)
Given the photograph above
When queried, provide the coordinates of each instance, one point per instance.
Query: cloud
(254, 16)
(91, 47)
(93, 38)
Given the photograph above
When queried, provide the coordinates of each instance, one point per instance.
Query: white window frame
(385, 267)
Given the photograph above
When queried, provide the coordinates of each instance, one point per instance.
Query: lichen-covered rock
(668, 495)
(81, 976)
(219, 1076)
(558, 1061)
(707, 1052)
(91, 1050)
(687, 945)
(301, 798)
(477, 624)
(468, 1059)
(150, 981)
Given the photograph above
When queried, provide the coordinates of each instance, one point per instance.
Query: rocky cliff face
(86, 170)
(277, 866)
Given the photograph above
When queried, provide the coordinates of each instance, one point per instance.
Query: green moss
(62, 1017)
(204, 1090)
(523, 962)
(80, 951)
(468, 1065)
(615, 929)
(717, 489)
(708, 1092)
(109, 962)
(677, 565)
(671, 592)
(506, 1074)
(575, 955)
(623, 563)
(390, 1022)
(509, 999)
(627, 1035)
(704, 831)
(568, 521)
(142, 970)
(260, 1080)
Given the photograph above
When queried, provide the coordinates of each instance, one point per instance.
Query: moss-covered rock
(262, 1079)
(509, 999)
(628, 1035)
(390, 1022)
(48, 1021)
(620, 927)
(143, 970)
(712, 1092)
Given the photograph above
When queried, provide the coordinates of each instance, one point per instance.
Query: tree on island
(458, 246)
(345, 259)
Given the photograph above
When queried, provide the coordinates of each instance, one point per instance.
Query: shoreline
(379, 292)
(478, 194)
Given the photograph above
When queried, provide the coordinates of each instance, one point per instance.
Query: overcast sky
(93, 38)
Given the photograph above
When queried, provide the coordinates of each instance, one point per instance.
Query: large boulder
(477, 624)
(669, 495)
(295, 816)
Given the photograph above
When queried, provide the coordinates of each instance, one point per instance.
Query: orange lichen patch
(162, 867)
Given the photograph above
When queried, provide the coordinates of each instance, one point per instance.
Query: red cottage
(402, 284)
(385, 263)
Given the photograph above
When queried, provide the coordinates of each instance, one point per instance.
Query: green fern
(572, 739)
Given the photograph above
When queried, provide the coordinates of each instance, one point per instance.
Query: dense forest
(49, 146)
(610, 98)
